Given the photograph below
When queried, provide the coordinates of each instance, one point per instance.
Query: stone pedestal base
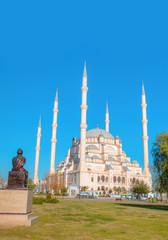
(16, 207)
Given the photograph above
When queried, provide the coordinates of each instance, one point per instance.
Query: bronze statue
(18, 177)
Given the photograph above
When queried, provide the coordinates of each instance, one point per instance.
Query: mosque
(97, 159)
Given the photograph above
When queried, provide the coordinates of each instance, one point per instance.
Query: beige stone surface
(18, 220)
(16, 201)
(16, 207)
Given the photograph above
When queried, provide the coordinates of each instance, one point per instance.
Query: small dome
(117, 137)
(97, 132)
(125, 161)
(134, 161)
(87, 156)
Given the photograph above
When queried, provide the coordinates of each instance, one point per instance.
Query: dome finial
(97, 125)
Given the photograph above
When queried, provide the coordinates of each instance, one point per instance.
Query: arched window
(114, 179)
(123, 179)
(133, 180)
(119, 179)
(106, 188)
(102, 188)
(98, 188)
(114, 188)
(102, 178)
(106, 179)
(123, 189)
(98, 178)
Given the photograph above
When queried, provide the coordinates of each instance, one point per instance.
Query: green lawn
(94, 220)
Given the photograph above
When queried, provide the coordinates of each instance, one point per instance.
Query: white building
(97, 159)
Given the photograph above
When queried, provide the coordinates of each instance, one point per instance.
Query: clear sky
(43, 46)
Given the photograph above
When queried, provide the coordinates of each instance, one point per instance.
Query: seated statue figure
(18, 177)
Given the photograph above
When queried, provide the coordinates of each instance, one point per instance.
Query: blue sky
(43, 46)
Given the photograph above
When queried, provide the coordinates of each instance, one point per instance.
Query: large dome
(97, 132)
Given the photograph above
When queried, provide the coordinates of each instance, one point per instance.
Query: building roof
(125, 168)
(91, 147)
(96, 133)
(112, 159)
(108, 166)
(87, 156)
(95, 157)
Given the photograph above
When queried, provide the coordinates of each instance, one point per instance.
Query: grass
(88, 220)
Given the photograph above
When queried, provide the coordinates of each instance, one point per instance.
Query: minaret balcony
(83, 125)
(84, 89)
(83, 107)
(144, 121)
(55, 110)
(145, 137)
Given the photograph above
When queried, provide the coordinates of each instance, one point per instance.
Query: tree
(110, 191)
(84, 188)
(118, 190)
(55, 182)
(140, 188)
(160, 156)
(31, 185)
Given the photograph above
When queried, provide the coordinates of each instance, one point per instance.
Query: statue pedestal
(16, 207)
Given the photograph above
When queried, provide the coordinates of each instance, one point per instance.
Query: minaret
(54, 132)
(107, 121)
(146, 171)
(35, 179)
(83, 125)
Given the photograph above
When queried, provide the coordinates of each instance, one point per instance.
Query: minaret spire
(54, 133)
(143, 89)
(107, 121)
(35, 179)
(83, 127)
(40, 121)
(56, 95)
(84, 71)
(146, 171)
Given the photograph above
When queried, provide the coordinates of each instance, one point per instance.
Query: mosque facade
(97, 160)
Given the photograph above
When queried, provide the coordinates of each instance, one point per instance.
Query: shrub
(154, 200)
(51, 201)
(48, 196)
(150, 200)
(37, 201)
(167, 200)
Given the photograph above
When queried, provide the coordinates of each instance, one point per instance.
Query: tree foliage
(140, 187)
(84, 188)
(118, 190)
(31, 185)
(160, 156)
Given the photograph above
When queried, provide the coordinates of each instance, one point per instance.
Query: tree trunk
(161, 196)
